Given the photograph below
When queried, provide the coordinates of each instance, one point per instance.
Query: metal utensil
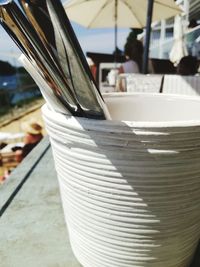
(38, 12)
(61, 63)
(16, 24)
(87, 93)
(53, 102)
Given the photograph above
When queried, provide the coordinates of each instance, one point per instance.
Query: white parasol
(120, 13)
(179, 48)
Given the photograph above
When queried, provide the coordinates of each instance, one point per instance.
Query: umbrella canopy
(130, 13)
(179, 48)
(118, 13)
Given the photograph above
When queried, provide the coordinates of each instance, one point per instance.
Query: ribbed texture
(143, 83)
(182, 85)
(131, 194)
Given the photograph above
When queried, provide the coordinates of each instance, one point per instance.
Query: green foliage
(6, 68)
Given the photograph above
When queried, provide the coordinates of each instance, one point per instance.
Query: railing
(191, 38)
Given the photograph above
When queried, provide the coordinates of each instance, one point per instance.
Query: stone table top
(32, 228)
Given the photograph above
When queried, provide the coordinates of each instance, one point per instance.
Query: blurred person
(133, 53)
(192, 24)
(33, 135)
(92, 66)
(188, 65)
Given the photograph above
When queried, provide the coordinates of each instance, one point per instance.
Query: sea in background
(16, 88)
(8, 82)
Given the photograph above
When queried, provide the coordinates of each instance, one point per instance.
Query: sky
(91, 40)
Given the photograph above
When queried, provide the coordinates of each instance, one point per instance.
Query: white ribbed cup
(131, 190)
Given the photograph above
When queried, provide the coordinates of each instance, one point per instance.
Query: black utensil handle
(87, 94)
(68, 28)
(37, 14)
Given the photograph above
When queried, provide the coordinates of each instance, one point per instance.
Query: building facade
(162, 36)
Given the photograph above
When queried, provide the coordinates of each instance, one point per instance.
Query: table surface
(32, 228)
